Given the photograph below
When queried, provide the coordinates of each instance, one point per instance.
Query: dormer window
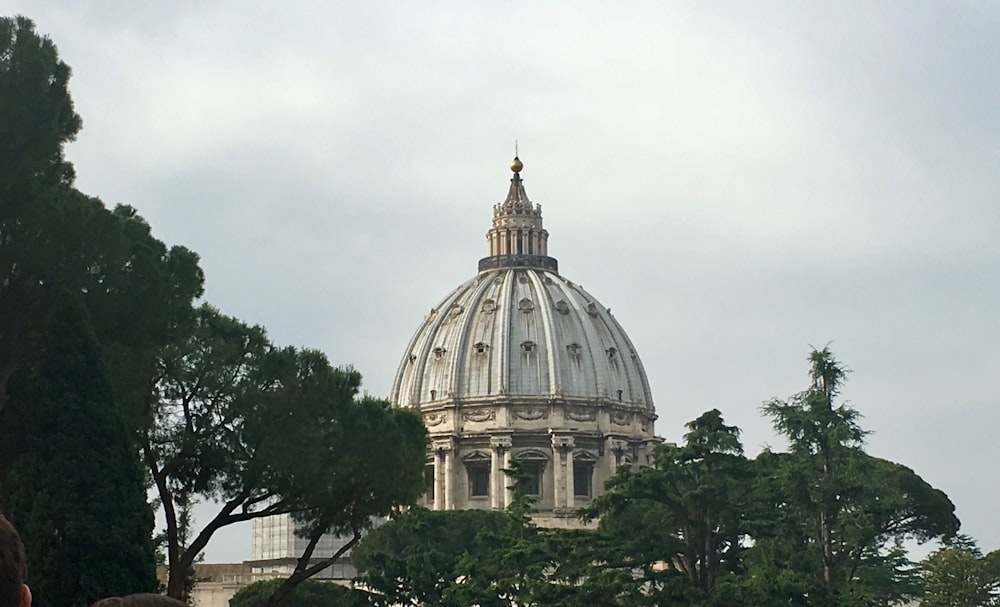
(574, 349)
(562, 307)
(612, 352)
(528, 347)
(481, 348)
(439, 353)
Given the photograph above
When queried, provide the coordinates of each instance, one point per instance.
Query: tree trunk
(303, 571)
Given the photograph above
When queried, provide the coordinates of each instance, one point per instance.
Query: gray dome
(520, 364)
(520, 332)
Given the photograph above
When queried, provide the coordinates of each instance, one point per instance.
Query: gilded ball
(516, 165)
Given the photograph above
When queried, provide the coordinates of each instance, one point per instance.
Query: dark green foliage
(56, 242)
(78, 492)
(310, 593)
(829, 519)
(414, 558)
(36, 117)
(680, 522)
(822, 524)
(958, 575)
(265, 430)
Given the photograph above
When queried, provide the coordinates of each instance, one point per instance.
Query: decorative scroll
(531, 414)
(581, 415)
(621, 418)
(481, 415)
(434, 419)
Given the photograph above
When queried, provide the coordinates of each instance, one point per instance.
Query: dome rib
(555, 381)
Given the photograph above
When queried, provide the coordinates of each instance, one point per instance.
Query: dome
(525, 332)
(521, 364)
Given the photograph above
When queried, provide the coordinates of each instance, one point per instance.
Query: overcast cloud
(736, 181)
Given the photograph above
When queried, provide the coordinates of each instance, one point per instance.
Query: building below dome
(520, 364)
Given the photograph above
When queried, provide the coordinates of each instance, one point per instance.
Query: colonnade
(504, 241)
(555, 474)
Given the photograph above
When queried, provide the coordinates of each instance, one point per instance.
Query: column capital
(500, 442)
(563, 441)
(441, 445)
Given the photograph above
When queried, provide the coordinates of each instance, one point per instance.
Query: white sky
(736, 180)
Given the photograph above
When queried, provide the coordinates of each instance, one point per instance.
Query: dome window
(525, 305)
(612, 352)
(592, 309)
(528, 347)
(434, 394)
(562, 307)
(489, 306)
(481, 348)
(456, 309)
(574, 349)
(439, 353)
(620, 391)
(412, 358)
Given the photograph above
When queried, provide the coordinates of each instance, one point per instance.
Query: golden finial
(516, 165)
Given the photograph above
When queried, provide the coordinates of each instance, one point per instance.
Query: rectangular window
(429, 482)
(533, 484)
(583, 474)
(479, 481)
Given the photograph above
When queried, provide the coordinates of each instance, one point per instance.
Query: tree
(690, 505)
(37, 115)
(77, 490)
(377, 466)
(830, 519)
(959, 576)
(36, 119)
(265, 430)
(310, 593)
(413, 558)
(56, 242)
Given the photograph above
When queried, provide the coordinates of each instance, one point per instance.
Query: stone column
(570, 480)
(439, 479)
(557, 479)
(444, 473)
(449, 480)
(505, 484)
(499, 461)
(560, 446)
(615, 450)
(494, 477)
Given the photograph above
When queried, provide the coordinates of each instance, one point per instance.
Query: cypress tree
(77, 491)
